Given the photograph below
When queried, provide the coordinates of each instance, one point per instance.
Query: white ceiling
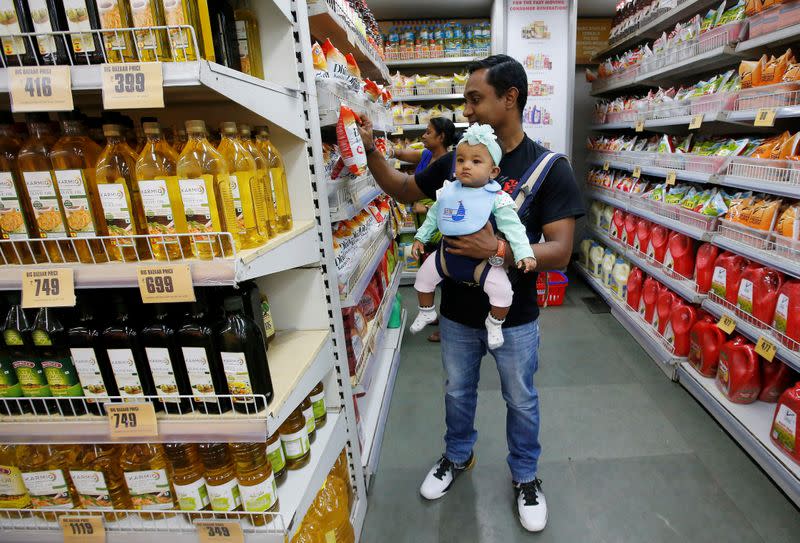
(426, 9)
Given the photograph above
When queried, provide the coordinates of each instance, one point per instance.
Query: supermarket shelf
(768, 258)
(655, 171)
(358, 515)
(357, 290)
(602, 196)
(423, 127)
(770, 39)
(444, 61)
(749, 183)
(750, 426)
(298, 247)
(611, 126)
(428, 97)
(788, 112)
(407, 230)
(408, 277)
(677, 226)
(677, 121)
(201, 82)
(719, 57)
(353, 208)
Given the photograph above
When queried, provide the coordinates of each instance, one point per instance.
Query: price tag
(766, 349)
(697, 121)
(726, 324)
(133, 85)
(219, 531)
(79, 529)
(398, 131)
(48, 288)
(671, 177)
(40, 88)
(165, 284)
(131, 419)
(397, 165)
(606, 166)
(639, 125)
(637, 171)
(765, 116)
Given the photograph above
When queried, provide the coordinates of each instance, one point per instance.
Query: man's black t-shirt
(558, 198)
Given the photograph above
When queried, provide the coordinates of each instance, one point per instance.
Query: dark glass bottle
(17, 50)
(89, 357)
(9, 384)
(48, 16)
(223, 34)
(244, 357)
(52, 350)
(254, 308)
(200, 353)
(17, 339)
(126, 355)
(165, 361)
(84, 46)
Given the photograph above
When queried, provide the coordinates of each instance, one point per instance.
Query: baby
(462, 207)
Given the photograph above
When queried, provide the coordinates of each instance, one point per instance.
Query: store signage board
(697, 121)
(48, 288)
(131, 420)
(726, 324)
(165, 284)
(765, 116)
(133, 85)
(83, 529)
(766, 349)
(592, 38)
(229, 531)
(40, 88)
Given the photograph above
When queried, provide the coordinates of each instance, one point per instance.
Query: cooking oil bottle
(10, 387)
(153, 45)
(145, 469)
(317, 397)
(183, 13)
(262, 177)
(223, 488)
(49, 219)
(249, 199)
(52, 353)
(308, 415)
(45, 472)
(115, 14)
(119, 194)
(28, 369)
(16, 213)
(13, 494)
(180, 140)
(276, 457)
(280, 189)
(187, 476)
(257, 487)
(156, 177)
(294, 439)
(99, 479)
(249, 40)
(74, 157)
(204, 180)
(164, 359)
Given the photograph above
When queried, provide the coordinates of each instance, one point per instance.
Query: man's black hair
(503, 73)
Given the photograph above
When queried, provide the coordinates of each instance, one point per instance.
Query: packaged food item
(320, 64)
(751, 7)
(715, 206)
(775, 68)
(749, 72)
(337, 63)
(790, 147)
(677, 193)
(350, 144)
(372, 90)
(354, 72)
(666, 144)
(736, 206)
(734, 14)
(761, 215)
(765, 149)
(792, 73)
(788, 224)
(775, 378)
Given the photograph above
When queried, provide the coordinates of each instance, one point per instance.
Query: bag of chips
(350, 144)
(372, 90)
(320, 64)
(337, 64)
(789, 223)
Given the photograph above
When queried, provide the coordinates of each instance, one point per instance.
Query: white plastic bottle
(609, 258)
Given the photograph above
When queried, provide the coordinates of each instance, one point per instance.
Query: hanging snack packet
(715, 207)
(354, 72)
(677, 193)
(320, 64)
(762, 215)
(337, 64)
(788, 224)
(350, 144)
(372, 90)
(792, 73)
(747, 68)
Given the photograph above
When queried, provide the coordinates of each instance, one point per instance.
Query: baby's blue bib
(465, 210)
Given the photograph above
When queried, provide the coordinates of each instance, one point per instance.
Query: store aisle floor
(628, 455)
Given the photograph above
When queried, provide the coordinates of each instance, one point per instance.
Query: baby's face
(474, 165)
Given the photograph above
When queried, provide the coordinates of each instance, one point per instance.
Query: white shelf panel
(408, 277)
(750, 426)
(428, 97)
(353, 208)
(768, 258)
(771, 39)
(748, 183)
(357, 290)
(788, 112)
(677, 226)
(444, 61)
(422, 127)
(655, 171)
(718, 57)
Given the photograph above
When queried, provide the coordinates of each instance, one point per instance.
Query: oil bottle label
(48, 489)
(781, 313)
(31, 378)
(157, 208)
(12, 221)
(92, 489)
(111, 17)
(46, 208)
(41, 23)
(241, 35)
(275, 454)
(266, 314)
(275, 175)
(237, 200)
(311, 423)
(78, 19)
(73, 191)
(173, 13)
(785, 428)
(199, 374)
(192, 497)
(235, 366)
(61, 377)
(13, 494)
(125, 372)
(195, 205)
(11, 45)
(318, 404)
(143, 17)
(224, 497)
(260, 497)
(85, 361)
(116, 209)
(9, 384)
(163, 375)
(149, 489)
(295, 445)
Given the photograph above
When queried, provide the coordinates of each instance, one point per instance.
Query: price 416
(38, 86)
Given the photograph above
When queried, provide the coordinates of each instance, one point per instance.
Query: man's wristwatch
(499, 258)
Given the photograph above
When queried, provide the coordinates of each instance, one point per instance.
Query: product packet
(677, 193)
(737, 205)
(750, 73)
(790, 147)
(691, 199)
(350, 144)
(337, 63)
(354, 72)
(685, 146)
(734, 14)
(732, 147)
(715, 206)
(775, 68)
(765, 149)
(751, 7)
(666, 144)
(372, 90)
(657, 193)
(761, 215)
(788, 224)
(320, 64)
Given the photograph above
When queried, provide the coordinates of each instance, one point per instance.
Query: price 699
(159, 284)
(129, 82)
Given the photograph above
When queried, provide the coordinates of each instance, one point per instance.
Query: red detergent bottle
(642, 240)
(758, 292)
(681, 320)
(647, 305)
(635, 287)
(629, 234)
(739, 372)
(617, 226)
(680, 254)
(704, 266)
(784, 433)
(706, 340)
(787, 313)
(775, 378)
(728, 271)
(667, 300)
(659, 237)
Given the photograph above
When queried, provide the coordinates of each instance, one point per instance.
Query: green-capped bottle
(29, 372)
(51, 345)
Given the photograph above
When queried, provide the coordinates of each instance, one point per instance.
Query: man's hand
(527, 265)
(365, 129)
(481, 244)
(417, 248)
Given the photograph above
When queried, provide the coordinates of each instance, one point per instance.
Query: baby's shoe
(494, 332)
(425, 316)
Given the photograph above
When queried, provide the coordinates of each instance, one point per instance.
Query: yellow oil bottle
(221, 482)
(153, 44)
(187, 476)
(13, 494)
(280, 188)
(45, 471)
(249, 40)
(115, 14)
(262, 177)
(99, 479)
(16, 213)
(183, 13)
(257, 487)
(145, 469)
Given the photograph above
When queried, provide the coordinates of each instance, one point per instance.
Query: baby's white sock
(425, 316)
(494, 332)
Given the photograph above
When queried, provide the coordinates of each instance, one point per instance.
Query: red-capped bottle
(787, 312)
(758, 292)
(647, 305)
(635, 286)
(659, 237)
(681, 320)
(667, 300)
(775, 378)
(704, 266)
(706, 340)
(739, 372)
(680, 254)
(785, 433)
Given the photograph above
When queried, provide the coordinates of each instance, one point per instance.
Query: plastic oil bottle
(145, 469)
(119, 46)
(99, 479)
(257, 487)
(49, 220)
(74, 157)
(308, 415)
(165, 361)
(16, 213)
(29, 372)
(204, 180)
(187, 476)
(13, 494)
(183, 13)
(248, 198)
(119, 195)
(249, 40)
(294, 439)
(276, 457)
(280, 189)
(157, 180)
(153, 45)
(317, 398)
(45, 472)
(52, 352)
(262, 178)
(221, 483)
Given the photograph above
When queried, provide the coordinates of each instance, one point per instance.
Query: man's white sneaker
(531, 505)
(441, 476)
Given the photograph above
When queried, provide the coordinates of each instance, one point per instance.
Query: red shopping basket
(551, 288)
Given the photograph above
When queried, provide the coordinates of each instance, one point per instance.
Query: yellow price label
(726, 324)
(766, 349)
(165, 284)
(40, 88)
(765, 116)
(639, 125)
(131, 419)
(697, 121)
(215, 531)
(606, 166)
(48, 288)
(397, 165)
(133, 85)
(637, 172)
(671, 177)
(83, 529)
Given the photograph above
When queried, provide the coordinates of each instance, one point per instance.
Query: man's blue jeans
(517, 361)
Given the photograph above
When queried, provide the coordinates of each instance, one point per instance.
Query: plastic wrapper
(788, 224)
(736, 207)
(685, 146)
(792, 73)
(790, 147)
(775, 68)
(761, 215)
(372, 90)
(732, 147)
(733, 14)
(349, 139)
(337, 63)
(320, 63)
(715, 207)
(353, 72)
(666, 144)
(677, 193)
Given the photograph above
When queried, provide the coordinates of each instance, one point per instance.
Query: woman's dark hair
(504, 73)
(446, 129)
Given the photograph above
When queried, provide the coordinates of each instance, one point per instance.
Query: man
(495, 93)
